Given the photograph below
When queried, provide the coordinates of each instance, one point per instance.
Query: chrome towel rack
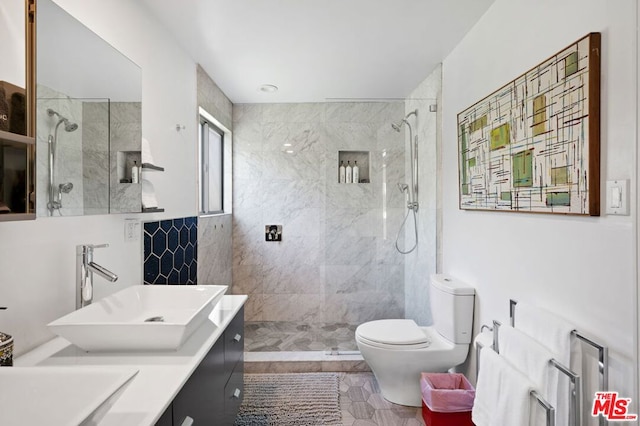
(549, 409)
(603, 365)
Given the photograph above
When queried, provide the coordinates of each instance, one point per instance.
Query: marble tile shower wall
(126, 135)
(95, 157)
(83, 156)
(336, 262)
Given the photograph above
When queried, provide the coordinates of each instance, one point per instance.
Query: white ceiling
(316, 51)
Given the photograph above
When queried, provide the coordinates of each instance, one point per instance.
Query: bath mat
(290, 400)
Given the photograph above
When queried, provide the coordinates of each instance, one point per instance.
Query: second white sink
(140, 318)
(62, 396)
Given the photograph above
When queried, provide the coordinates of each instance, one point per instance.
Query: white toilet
(398, 350)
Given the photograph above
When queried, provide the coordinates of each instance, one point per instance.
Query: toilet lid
(393, 332)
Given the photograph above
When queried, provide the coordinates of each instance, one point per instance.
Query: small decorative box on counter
(6, 350)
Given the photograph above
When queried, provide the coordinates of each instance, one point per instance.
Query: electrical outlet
(131, 230)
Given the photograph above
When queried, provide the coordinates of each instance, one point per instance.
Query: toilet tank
(452, 308)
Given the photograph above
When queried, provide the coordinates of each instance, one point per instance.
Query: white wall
(37, 265)
(583, 268)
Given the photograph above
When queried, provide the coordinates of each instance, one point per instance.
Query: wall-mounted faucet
(85, 268)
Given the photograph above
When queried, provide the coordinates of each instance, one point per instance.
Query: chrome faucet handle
(95, 246)
(81, 248)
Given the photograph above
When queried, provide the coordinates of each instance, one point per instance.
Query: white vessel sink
(140, 318)
(64, 396)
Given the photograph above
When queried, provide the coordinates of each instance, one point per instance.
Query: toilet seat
(393, 334)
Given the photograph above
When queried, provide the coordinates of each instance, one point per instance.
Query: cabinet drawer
(234, 341)
(234, 392)
(200, 397)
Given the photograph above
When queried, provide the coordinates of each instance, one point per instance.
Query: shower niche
(352, 158)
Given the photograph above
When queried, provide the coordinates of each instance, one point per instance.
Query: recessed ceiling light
(289, 151)
(286, 144)
(268, 88)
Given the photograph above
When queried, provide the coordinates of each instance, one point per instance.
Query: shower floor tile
(274, 336)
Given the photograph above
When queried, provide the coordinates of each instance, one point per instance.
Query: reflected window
(212, 141)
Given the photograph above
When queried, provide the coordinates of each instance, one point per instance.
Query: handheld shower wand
(55, 193)
(411, 191)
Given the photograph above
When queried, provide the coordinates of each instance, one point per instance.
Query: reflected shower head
(65, 187)
(68, 126)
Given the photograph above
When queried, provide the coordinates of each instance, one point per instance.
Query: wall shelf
(152, 210)
(148, 167)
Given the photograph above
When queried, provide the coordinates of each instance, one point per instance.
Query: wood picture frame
(533, 145)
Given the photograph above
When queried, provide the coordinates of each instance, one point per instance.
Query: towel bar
(573, 377)
(603, 365)
(551, 412)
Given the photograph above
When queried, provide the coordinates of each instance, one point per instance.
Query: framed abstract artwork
(534, 144)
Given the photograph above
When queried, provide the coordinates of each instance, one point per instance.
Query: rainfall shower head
(398, 126)
(68, 126)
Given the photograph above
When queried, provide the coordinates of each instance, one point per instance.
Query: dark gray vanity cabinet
(213, 393)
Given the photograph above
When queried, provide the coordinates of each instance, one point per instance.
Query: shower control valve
(273, 233)
(412, 205)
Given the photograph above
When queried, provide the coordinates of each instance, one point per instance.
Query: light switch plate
(131, 230)
(618, 197)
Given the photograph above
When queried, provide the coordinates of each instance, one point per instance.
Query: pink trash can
(447, 399)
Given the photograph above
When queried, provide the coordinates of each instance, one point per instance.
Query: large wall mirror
(88, 113)
(16, 110)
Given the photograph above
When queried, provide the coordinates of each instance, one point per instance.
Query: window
(212, 140)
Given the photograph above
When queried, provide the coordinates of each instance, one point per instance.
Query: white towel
(485, 339)
(549, 329)
(148, 195)
(502, 393)
(554, 332)
(532, 358)
(146, 152)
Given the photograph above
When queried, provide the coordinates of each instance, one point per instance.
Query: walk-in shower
(411, 190)
(55, 191)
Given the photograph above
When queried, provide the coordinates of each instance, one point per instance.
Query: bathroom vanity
(200, 383)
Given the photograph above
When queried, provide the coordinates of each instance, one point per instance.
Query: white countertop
(161, 374)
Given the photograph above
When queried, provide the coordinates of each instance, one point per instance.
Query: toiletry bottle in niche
(349, 172)
(342, 176)
(135, 173)
(356, 172)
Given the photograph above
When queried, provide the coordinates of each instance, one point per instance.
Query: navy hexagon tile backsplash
(171, 251)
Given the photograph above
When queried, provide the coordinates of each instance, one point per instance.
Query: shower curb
(302, 362)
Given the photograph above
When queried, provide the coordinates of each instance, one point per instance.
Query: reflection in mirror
(17, 150)
(14, 169)
(88, 120)
(13, 105)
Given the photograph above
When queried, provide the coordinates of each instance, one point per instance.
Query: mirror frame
(30, 94)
